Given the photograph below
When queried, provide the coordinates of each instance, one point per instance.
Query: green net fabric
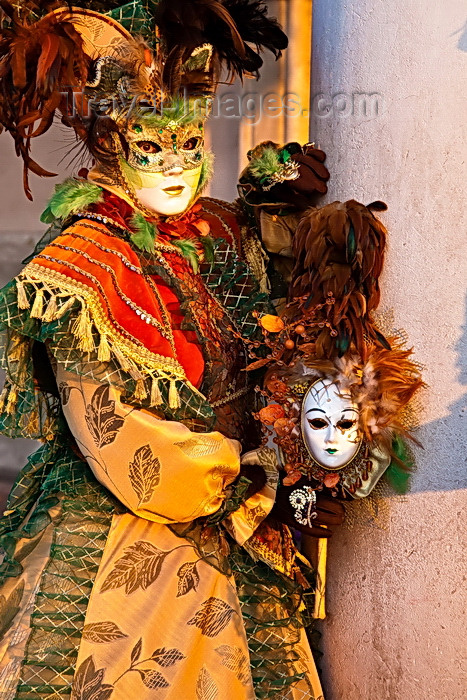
(274, 614)
(236, 287)
(55, 476)
(137, 17)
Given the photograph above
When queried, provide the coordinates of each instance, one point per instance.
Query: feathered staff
(339, 252)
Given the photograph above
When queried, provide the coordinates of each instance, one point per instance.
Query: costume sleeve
(243, 522)
(159, 469)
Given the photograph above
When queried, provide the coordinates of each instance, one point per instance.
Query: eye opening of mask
(346, 424)
(191, 144)
(148, 146)
(317, 423)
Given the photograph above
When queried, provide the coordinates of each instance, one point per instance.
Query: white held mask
(329, 423)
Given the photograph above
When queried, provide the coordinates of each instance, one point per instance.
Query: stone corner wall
(388, 108)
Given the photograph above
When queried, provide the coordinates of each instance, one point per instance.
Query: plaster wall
(396, 593)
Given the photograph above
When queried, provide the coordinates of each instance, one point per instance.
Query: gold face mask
(164, 163)
(152, 147)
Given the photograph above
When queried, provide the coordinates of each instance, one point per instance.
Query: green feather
(351, 245)
(199, 61)
(265, 165)
(342, 344)
(208, 246)
(71, 196)
(399, 471)
(145, 233)
(184, 111)
(206, 172)
(188, 250)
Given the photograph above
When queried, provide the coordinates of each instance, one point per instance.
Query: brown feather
(50, 48)
(38, 60)
(339, 250)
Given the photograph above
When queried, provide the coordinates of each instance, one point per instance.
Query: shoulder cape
(86, 297)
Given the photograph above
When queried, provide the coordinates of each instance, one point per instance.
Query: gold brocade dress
(134, 565)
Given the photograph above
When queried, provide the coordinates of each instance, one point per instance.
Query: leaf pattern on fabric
(221, 471)
(102, 632)
(201, 446)
(136, 651)
(213, 616)
(27, 547)
(267, 458)
(64, 390)
(236, 661)
(88, 685)
(152, 679)
(254, 516)
(9, 679)
(101, 419)
(144, 472)
(188, 578)
(167, 657)
(9, 608)
(206, 689)
(139, 567)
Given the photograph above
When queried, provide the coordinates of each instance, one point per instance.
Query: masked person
(138, 559)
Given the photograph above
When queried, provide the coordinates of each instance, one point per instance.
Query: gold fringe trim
(37, 307)
(82, 329)
(51, 310)
(140, 363)
(140, 390)
(260, 551)
(123, 360)
(12, 401)
(103, 353)
(19, 348)
(65, 307)
(23, 301)
(33, 423)
(156, 396)
(174, 396)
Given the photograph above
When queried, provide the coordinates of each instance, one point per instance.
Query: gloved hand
(311, 512)
(256, 474)
(292, 174)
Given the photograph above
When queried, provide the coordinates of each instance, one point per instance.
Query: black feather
(377, 206)
(237, 29)
(256, 27)
(382, 340)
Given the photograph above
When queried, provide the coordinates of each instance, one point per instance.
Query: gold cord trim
(137, 360)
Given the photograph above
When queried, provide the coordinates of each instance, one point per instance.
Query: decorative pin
(303, 501)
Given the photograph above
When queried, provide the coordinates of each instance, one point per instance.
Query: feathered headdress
(92, 66)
